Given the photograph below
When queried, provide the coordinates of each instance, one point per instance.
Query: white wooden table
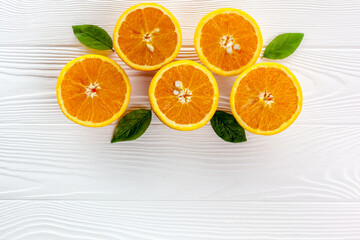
(59, 180)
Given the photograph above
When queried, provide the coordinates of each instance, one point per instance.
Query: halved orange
(147, 36)
(184, 95)
(228, 41)
(266, 98)
(93, 90)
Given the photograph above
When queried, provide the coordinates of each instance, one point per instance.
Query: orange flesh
(109, 97)
(202, 93)
(270, 84)
(140, 25)
(242, 32)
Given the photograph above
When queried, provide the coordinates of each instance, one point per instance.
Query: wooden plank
(329, 79)
(43, 220)
(74, 162)
(326, 24)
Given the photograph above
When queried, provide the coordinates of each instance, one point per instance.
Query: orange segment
(228, 41)
(147, 36)
(93, 90)
(184, 95)
(266, 98)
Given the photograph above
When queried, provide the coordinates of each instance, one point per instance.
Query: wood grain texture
(44, 220)
(73, 162)
(315, 159)
(329, 80)
(42, 23)
(301, 184)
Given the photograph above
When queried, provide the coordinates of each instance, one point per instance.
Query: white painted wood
(44, 220)
(69, 162)
(329, 79)
(49, 161)
(316, 158)
(326, 23)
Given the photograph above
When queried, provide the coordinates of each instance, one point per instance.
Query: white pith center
(91, 90)
(183, 94)
(147, 38)
(268, 98)
(229, 44)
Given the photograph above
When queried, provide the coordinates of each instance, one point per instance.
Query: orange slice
(184, 95)
(228, 41)
(266, 98)
(147, 36)
(93, 90)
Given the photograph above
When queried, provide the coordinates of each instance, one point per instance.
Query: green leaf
(226, 127)
(93, 37)
(283, 45)
(132, 125)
